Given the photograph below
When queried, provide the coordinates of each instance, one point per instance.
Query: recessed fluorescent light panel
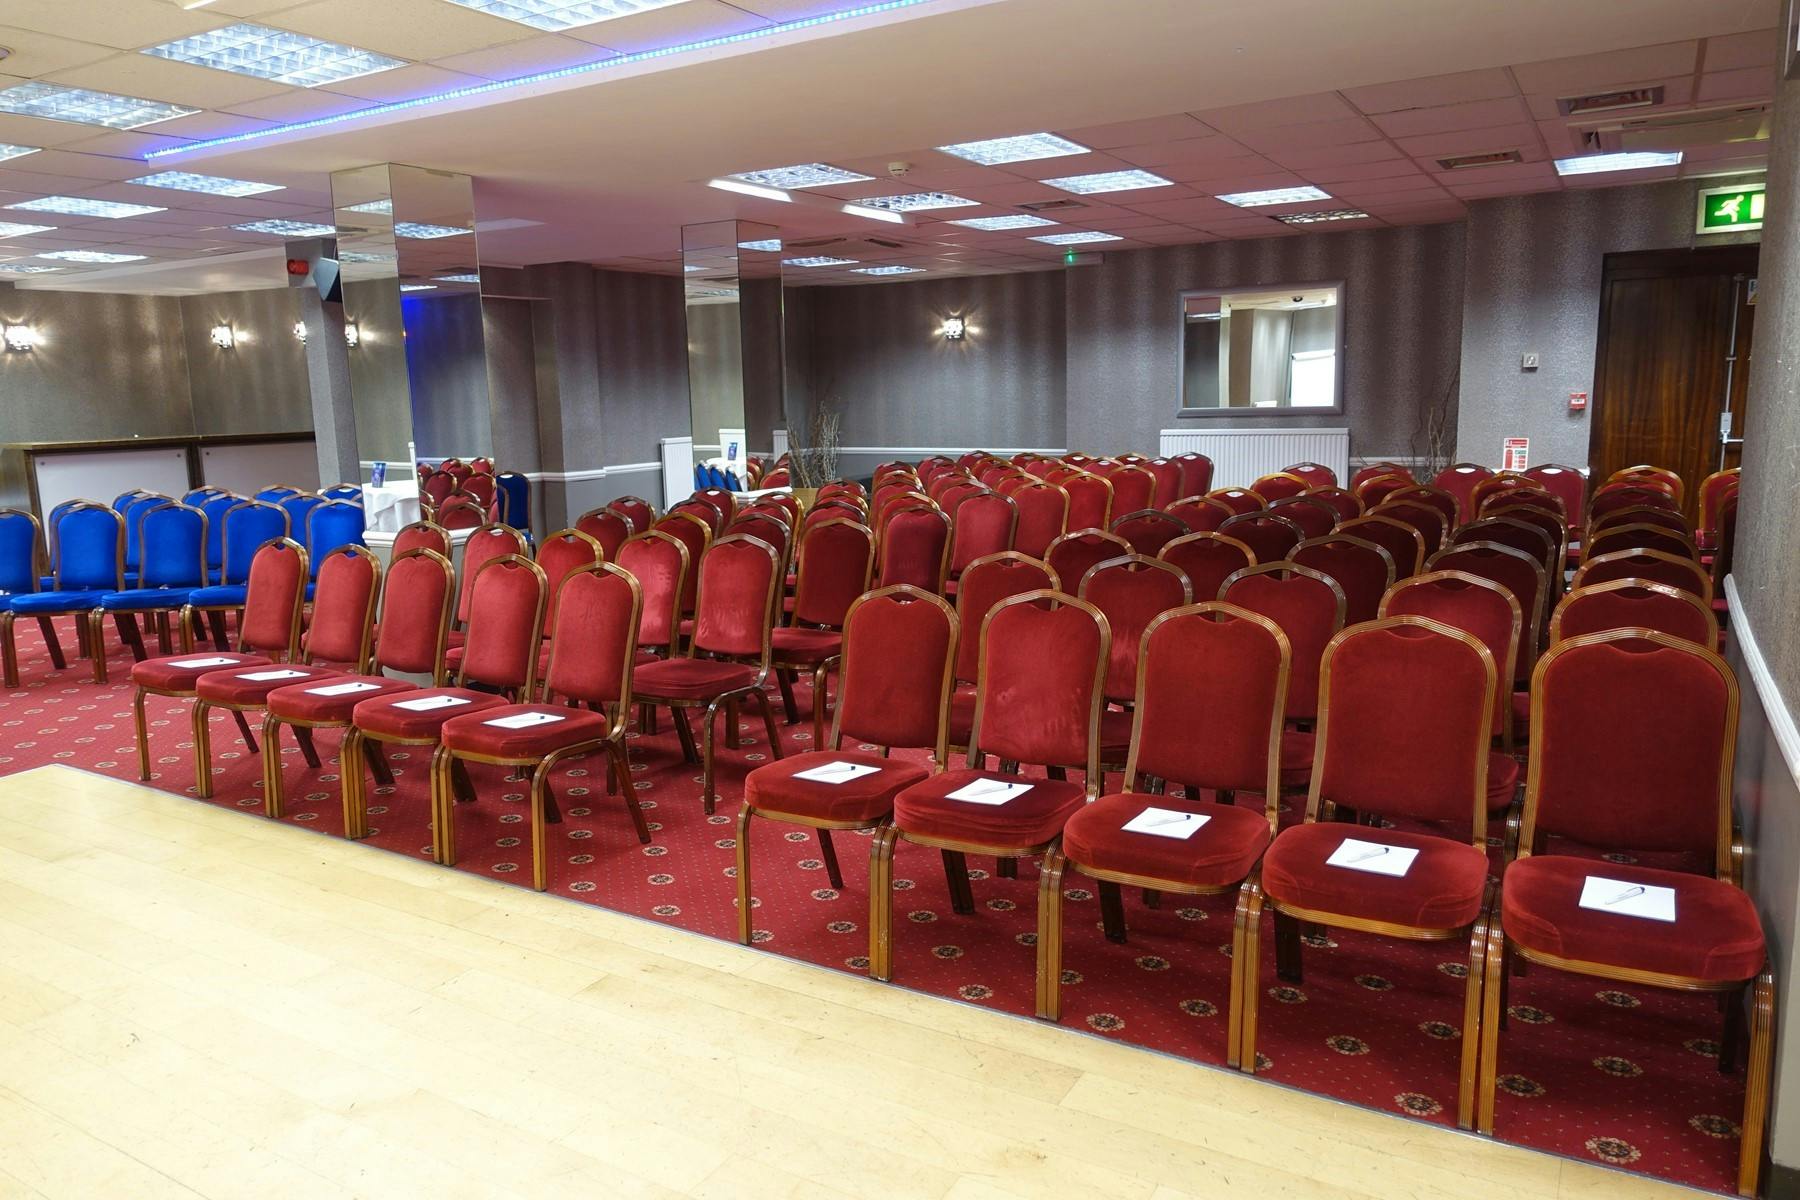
(558, 15)
(418, 287)
(1314, 218)
(82, 206)
(1108, 181)
(750, 189)
(471, 278)
(891, 269)
(1076, 239)
(1021, 221)
(1293, 195)
(13, 229)
(818, 260)
(25, 269)
(8, 150)
(274, 54)
(211, 185)
(383, 208)
(804, 175)
(766, 245)
(917, 202)
(874, 214)
(82, 107)
(1593, 164)
(413, 229)
(290, 229)
(1023, 148)
(92, 256)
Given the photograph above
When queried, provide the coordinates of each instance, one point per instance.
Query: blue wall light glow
(238, 139)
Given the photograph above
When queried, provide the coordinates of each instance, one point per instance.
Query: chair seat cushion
(772, 788)
(691, 678)
(50, 603)
(230, 686)
(806, 645)
(300, 703)
(1442, 890)
(1502, 781)
(1115, 735)
(145, 599)
(1296, 758)
(230, 595)
(1715, 935)
(471, 733)
(1221, 854)
(1029, 819)
(166, 674)
(384, 717)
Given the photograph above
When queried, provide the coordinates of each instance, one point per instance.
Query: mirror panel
(1262, 351)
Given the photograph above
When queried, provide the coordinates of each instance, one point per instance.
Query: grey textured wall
(510, 336)
(642, 365)
(257, 386)
(379, 388)
(1402, 327)
(715, 370)
(1533, 284)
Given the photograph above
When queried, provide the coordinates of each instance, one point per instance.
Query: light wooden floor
(198, 1002)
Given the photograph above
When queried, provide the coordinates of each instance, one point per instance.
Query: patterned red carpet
(1626, 1077)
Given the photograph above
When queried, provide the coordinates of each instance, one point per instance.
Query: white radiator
(1241, 456)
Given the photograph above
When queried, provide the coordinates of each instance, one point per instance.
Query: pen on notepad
(988, 787)
(1173, 819)
(1627, 894)
(1367, 854)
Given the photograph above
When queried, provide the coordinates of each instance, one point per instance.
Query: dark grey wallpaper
(445, 364)
(257, 386)
(642, 365)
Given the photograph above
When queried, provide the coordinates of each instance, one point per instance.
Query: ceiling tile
(678, 23)
(1289, 138)
(1337, 156)
(1469, 141)
(1267, 114)
(209, 125)
(1391, 169)
(1477, 114)
(159, 79)
(1136, 133)
(1432, 91)
(549, 52)
(1761, 48)
(1530, 172)
(415, 29)
(404, 83)
(83, 166)
(36, 54)
(1210, 149)
(301, 104)
(1589, 73)
(122, 24)
(1749, 83)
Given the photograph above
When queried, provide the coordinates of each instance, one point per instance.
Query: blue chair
(515, 500)
(330, 527)
(197, 497)
(276, 493)
(119, 501)
(299, 507)
(21, 562)
(89, 543)
(215, 507)
(343, 491)
(48, 580)
(172, 540)
(134, 511)
(248, 526)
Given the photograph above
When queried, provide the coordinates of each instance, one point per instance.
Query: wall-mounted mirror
(1262, 351)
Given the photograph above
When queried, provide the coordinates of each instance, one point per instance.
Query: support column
(327, 361)
(735, 342)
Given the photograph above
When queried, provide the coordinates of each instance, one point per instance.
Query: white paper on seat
(1628, 899)
(427, 703)
(190, 663)
(988, 791)
(525, 720)
(836, 772)
(343, 689)
(1166, 822)
(265, 676)
(1373, 857)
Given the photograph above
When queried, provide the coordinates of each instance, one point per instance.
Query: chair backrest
(506, 625)
(914, 548)
(1567, 484)
(1426, 518)
(1208, 560)
(1637, 514)
(601, 607)
(1196, 473)
(343, 491)
(1342, 502)
(172, 545)
(1272, 537)
(22, 552)
(1459, 479)
(1713, 490)
(1518, 573)
(1134, 488)
(197, 497)
(1090, 500)
(1315, 474)
(215, 506)
(1634, 604)
(1626, 494)
(1672, 569)
(274, 599)
(1148, 530)
(1131, 591)
(842, 487)
(1658, 477)
(767, 528)
(1377, 488)
(1405, 722)
(1279, 485)
(983, 523)
(636, 510)
(1238, 500)
(515, 499)
(1479, 607)
(1520, 535)
(1404, 543)
(299, 508)
(1633, 735)
(422, 535)
(1308, 606)
(740, 588)
(275, 493)
(483, 487)
(1043, 517)
(986, 583)
(1032, 707)
(722, 500)
(1362, 569)
(895, 679)
(691, 531)
(560, 555)
(660, 564)
(1528, 494)
(836, 560)
(1315, 518)
(461, 511)
(249, 524)
(1484, 493)
(606, 526)
(1168, 481)
(417, 602)
(1611, 538)
(1074, 552)
(134, 511)
(709, 514)
(342, 628)
(1547, 521)
(818, 514)
(437, 486)
(332, 525)
(87, 542)
(1210, 701)
(1201, 514)
(487, 542)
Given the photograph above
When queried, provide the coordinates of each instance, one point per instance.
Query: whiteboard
(248, 467)
(99, 475)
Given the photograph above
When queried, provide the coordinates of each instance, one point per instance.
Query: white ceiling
(1361, 100)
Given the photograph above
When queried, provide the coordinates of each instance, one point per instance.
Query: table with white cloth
(390, 507)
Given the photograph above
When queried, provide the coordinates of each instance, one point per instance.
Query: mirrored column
(735, 340)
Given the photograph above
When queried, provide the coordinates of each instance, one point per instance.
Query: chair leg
(243, 724)
(540, 786)
(1152, 898)
(744, 900)
(271, 770)
(820, 702)
(620, 756)
(1246, 971)
(1049, 934)
(1287, 949)
(51, 643)
(1112, 911)
(130, 633)
(706, 756)
(141, 728)
(1234, 1031)
(201, 714)
(216, 620)
(96, 645)
(1756, 1083)
(351, 761)
(881, 903)
(1492, 1011)
(376, 755)
(732, 740)
(1006, 868)
(785, 680)
(684, 733)
(462, 788)
(443, 810)
(768, 717)
(956, 874)
(1471, 1038)
(828, 852)
(304, 738)
(9, 652)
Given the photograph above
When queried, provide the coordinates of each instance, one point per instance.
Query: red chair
(1567, 484)
(842, 487)
(1373, 491)
(1518, 573)
(1210, 693)
(1362, 569)
(422, 535)
(1196, 474)
(483, 487)
(1520, 535)
(1271, 536)
(635, 510)
(708, 514)
(1168, 481)
(1662, 518)
(1147, 531)
(983, 523)
(1657, 477)
(1133, 488)
(818, 514)
(1201, 514)
(559, 555)
(607, 526)
(1496, 485)
(1030, 708)
(1316, 474)
(585, 710)
(1310, 608)
(1671, 569)
(728, 657)
(1433, 497)
(1723, 556)
(913, 548)
(437, 486)
(1315, 519)
(895, 701)
(1090, 500)
(1343, 504)
(1074, 552)
(836, 560)
(1609, 539)
(1208, 560)
(1043, 517)
(943, 482)
(660, 565)
(1433, 528)
(1238, 500)
(484, 545)
(1627, 495)
(462, 512)
(268, 632)
(987, 583)
(1377, 470)
(1418, 754)
(1547, 522)
(1279, 485)
(1713, 490)
(1635, 604)
(1130, 592)
(1459, 480)
(1524, 493)
(1633, 735)
(767, 528)
(692, 532)
(1403, 542)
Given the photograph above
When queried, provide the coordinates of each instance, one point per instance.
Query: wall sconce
(953, 329)
(300, 332)
(351, 335)
(19, 337)
(222, 337)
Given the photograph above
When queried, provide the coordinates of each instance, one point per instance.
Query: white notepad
(989, 791)
(836, 772)
(1628, 899)
(1373, 857)
(189, 663)
(1167, 822)
(265, 676)
(343, 689)
(427, 703)
(525, 720)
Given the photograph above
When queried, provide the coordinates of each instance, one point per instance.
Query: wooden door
(1670, 360)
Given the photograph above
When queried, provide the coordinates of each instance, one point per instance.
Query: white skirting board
(1781, 721)
(1241, 456)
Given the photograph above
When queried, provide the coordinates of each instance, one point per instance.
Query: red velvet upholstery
(634, 510)
(1315, 474)
(163, 675)
(1314, 517)
(1663, 518)
(1504, 531)
(764, 528)
(342, 607)
(1309, 610)
(469, 732)
(793, 644)
(1207, 559)
(1043, 516)
(1200, 514)
(692, 532)
(299, 703)
(506, 622)
(1404, 544)
(1713, 491)
(1211, 687)
(382, 716)
(888, 698)
(1528, 494)
(1090, 501)
(1134, 489)
(1716, 935)
(1425, 518)
(913, 546)
(230, 686)
(1296, 758)
(1130, 592)
(1567, 484)
(835, 561)
(1546, 522)
(599, 612)
(1076, 552)
(1168, 480)
(1603, 606)
(1221, 854)
(608, 528)
(738, 581)
(1502, 782)
(1653, 565)
(1476, 606)
(1513, 570)
(1341, 502)
(983, 525)
(720, 499)
(1375, 490)
(1376, 471)
(1030, 819)
(1279, 486)
(422, 535)
(413, 613)
(1238, 500)
(1363, 569)
(773, 789)
(1627, 494)
(1148, 530)
(692, 678)
(1269, 537)
(1459, 480)
(1196, 473)
(1442, 890)
(278, 574)
(1638, 537)
(1037, 707)
(984, 585)
(487, 542)
(659, 563)
(558, 555)
(709, 515)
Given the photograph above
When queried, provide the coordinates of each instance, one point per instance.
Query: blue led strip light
(501, 85)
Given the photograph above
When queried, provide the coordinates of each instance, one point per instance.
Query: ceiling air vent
(1641, 97)
(1680, 130)
(1461, 162)
(1052, 205)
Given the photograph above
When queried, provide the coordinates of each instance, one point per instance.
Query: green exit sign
(1730, 209)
